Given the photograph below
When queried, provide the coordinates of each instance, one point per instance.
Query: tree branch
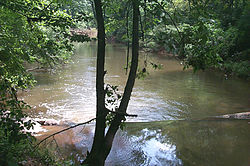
(71, 127)
(172, 20)
(79, 124)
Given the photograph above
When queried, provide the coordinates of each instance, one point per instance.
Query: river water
(169, 102)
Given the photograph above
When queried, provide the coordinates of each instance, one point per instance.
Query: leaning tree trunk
(102, 144)
(130, 82)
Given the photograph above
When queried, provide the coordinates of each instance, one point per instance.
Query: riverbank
(91, 33)
(239, 68)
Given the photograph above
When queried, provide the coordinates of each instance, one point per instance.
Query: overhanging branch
(71, 127)
(80, 124)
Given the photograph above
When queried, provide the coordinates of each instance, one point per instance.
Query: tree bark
(96, 156)
(130, 82)
(102, 144)
(127, 29)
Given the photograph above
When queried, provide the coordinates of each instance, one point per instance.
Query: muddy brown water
(166, 101)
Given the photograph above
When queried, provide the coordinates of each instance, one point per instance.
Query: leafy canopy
(31, 32)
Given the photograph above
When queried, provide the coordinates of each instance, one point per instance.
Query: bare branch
(71, 127)
(79, 124)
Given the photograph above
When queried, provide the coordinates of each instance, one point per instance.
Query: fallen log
(242, 115)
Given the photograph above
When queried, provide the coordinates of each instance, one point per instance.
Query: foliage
(143, 72)
(211, 40)
(112, 101)
(82, 12)
(200, 45)
(241, 69)
(112, 97)
(12, 152)
(22, 152)
(116, 13)
(79, 38)
(203, 34)
(30, 32)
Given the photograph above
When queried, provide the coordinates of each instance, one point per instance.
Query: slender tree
(95, 157)
(102, 143)
(130, 82)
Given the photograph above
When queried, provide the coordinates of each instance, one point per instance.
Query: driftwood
(235, 116)
(242, 115)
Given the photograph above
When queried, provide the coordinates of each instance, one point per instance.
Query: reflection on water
(169, 143)
(198, 142)
(167, 94)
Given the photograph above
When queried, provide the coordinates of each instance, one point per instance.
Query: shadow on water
(167, 96)
(173, 143)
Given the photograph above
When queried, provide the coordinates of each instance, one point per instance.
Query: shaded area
(205, 142)
(195, 142)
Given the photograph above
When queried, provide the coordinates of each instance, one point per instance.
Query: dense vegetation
(31, 32)
(204, 34)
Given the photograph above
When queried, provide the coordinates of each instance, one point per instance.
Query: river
(169, 102)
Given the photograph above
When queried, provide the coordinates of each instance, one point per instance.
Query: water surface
(166, 94)
(167, 143)
(167, 101)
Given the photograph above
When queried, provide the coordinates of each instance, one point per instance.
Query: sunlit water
(166, 94)
(166, 143)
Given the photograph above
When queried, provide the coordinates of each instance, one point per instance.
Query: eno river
(172, 105)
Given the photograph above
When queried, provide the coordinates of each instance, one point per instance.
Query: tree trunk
(96, 156)
(102, 144)
(127, 29)
(130, 82)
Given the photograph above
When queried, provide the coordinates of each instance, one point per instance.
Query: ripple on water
(146, 149)
(168, 94)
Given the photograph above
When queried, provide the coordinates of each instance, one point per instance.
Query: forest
(186, 62)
